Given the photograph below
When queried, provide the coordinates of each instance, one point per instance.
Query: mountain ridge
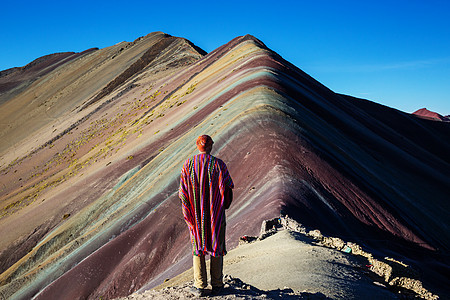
(425, 113)
(350, 173)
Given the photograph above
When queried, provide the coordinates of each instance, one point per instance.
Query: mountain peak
(431, 115)
(92, 150)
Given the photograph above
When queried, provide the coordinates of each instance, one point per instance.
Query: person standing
(205, 192)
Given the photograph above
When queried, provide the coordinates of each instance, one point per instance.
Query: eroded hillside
(93, 149)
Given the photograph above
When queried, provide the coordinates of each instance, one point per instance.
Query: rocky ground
(286, 262)
(234, 289)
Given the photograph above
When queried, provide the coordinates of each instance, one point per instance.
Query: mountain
(427, 114)
(93, 146)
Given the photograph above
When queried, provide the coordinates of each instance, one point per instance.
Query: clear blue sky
(396, 53)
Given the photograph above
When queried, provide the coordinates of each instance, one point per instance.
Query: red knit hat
(204, 142)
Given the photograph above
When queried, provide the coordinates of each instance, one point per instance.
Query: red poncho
(202, 192)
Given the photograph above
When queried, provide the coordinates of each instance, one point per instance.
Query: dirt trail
(287, 262)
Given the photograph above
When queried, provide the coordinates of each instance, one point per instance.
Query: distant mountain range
(427, 114)
(92, 145)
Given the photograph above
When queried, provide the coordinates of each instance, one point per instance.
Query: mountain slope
(427, 114)
(99, 194)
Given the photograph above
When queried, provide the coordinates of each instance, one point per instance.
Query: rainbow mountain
(93, 144)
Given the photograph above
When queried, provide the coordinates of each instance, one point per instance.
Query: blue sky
(396, 53)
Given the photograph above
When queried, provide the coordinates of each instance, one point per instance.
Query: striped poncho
(202, 192)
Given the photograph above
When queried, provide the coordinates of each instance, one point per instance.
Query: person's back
(205, 193)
